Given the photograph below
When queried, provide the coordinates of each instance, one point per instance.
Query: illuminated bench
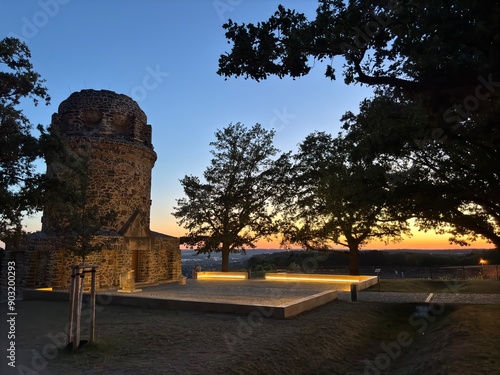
(362, 282)
(212, 275)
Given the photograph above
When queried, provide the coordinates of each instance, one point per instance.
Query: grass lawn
(336, 338)
(438, 286)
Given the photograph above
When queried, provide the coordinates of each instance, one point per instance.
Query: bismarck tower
(111, 131)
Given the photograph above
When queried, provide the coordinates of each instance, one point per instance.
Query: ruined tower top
(102, 113)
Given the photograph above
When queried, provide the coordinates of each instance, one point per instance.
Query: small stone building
(112, 131)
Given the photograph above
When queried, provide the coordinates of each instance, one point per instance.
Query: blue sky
(164, 54)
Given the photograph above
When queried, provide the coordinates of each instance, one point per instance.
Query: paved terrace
(277, 293)
(279, 299)
(282, 292)
(253, 291)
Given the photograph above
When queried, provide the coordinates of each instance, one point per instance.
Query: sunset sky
(164, 54)
(418, 241)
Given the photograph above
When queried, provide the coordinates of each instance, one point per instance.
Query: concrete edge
(308, 303)
(284, 311)
(364, 284)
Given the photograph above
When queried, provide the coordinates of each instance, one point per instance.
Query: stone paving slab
(274, 298)
(278, 300)
(277, 293)
(234, 291)
(271, 299)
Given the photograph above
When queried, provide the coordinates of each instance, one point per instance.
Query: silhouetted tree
(21, 184)
(231, 209)
(415, 47)
(436, 68)
(448, 184)
(339, 199)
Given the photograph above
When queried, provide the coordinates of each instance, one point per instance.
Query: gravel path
(467, 298)
(398, 297)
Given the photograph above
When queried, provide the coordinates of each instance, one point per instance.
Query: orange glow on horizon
(419, 240)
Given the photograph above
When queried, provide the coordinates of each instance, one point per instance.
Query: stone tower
(111, 130)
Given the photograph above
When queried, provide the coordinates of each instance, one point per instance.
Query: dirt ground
(337, 338)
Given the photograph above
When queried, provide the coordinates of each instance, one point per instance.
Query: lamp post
(377, 271)
(482, 262)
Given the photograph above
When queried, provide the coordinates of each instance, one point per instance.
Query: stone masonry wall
(111, 131)
(167, 258)
(120, 179)
(41, 264)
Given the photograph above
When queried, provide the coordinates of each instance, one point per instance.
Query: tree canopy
(412, 46)
(449, 183)
(339, 197)
(231, 209)
(21, 184)
(434, 119)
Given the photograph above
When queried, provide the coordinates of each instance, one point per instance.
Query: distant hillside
(272, 259)
(409, 258)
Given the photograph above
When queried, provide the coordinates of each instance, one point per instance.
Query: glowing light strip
(311, 279)
(221, 277)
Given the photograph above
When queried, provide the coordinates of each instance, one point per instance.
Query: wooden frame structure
(75, 303)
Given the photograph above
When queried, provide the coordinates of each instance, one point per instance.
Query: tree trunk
(354, 260)
(225, 258)
(496, 241)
